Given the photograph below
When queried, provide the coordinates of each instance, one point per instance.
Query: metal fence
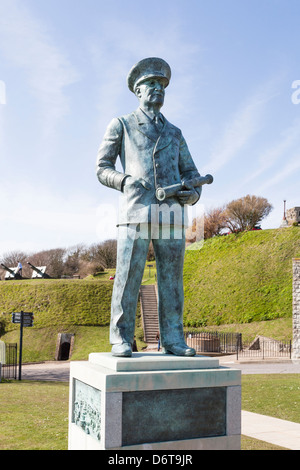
(9, 369)
(263, 348)
(232, 343)
(214, 342)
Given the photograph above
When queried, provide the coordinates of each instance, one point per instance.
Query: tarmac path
(249, 366)
(59, 370)
(56, 370)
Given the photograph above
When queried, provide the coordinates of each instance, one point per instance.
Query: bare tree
(59, 262)
(104, 254)
(88, 267)
(11, 260)
(53, 260)
(151, 254)
(246, 212)
(191, 234)
(72, 261)
(213, 223)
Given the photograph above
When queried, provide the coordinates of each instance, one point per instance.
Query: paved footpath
(275, 431)
(248, 366)
(279, 432)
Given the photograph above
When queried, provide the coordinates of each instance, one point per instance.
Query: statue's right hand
(128, 181)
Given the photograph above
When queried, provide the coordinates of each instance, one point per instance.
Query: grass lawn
(276, 395)
(34, 415)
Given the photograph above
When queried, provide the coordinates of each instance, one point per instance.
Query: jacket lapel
(165, 137)
(145, 126)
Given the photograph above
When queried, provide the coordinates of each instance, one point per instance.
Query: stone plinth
(153, 401)
(296, 309)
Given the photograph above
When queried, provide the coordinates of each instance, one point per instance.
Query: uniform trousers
(169, 248)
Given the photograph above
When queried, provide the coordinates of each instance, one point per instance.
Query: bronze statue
(154, 157)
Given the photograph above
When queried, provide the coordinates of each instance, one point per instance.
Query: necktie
(158, 122)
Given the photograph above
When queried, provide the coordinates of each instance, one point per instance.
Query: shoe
(179, 350)
(122, 350)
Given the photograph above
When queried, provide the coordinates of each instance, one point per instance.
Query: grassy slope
(241, 278)
(237, 283)
(59, 302)
(39, 344)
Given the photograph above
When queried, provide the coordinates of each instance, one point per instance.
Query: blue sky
(63, 69)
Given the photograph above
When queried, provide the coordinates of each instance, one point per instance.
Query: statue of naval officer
(153, 155)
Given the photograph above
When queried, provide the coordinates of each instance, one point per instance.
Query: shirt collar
(152, 119)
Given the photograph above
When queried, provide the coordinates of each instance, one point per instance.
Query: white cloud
(289, 140)
(38, 218)
(2, 111)
(1, 127)
(243, 125)
(2, 92)
(288, 168)
(131, 43)
(28, 46)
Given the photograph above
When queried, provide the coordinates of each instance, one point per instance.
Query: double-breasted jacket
(153, 158)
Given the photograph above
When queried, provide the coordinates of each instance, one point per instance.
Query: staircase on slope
(148, 300)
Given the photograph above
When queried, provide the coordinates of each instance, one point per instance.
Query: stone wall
(296, 308)
(293, 215)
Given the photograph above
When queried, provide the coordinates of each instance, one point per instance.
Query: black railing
(231, 343)
(263, 348)
(214, 342)
(9, 369)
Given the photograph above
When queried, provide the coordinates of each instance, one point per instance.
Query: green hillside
(240, 278)
(235, 279)
(57, 302)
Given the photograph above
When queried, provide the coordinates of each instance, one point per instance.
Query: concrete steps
(148, 301)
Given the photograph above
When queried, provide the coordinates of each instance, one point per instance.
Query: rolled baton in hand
(169, 191)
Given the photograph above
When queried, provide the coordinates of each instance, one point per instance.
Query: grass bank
(58, 301)
(39, 344)
(237, 283)
(235, 279)
(240, 278)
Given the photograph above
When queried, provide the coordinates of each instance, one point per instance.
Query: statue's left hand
(189, 196)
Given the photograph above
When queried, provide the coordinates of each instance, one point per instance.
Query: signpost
(26, 320)
(149, 266)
